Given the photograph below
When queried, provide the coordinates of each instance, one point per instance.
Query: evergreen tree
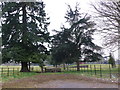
(112, 61)
(24, 31)
(81, 31)
(76, 41)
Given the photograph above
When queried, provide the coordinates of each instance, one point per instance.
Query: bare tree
(109, 12)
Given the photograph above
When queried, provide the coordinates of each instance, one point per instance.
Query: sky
(56, 10)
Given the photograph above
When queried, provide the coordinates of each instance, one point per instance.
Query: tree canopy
(24, 31)
(71, 44)
(109, 13)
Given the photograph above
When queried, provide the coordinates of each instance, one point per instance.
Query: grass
(106, 72)
(18, 76)
(13, 72)
(83, 71)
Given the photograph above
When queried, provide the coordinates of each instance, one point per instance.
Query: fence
(101, 71)
(9, 71)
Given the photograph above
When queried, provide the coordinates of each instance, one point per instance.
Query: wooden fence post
(87, 69)
(81, 69)
(18, 70)
(32, 68)
(84, 68)
(110, 70)
(13, 71)
(91, 69)
(67, 67)
(1, 71)
(95, 69)
(100, 71)
(8, 72)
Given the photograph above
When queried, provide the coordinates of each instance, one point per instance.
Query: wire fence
(100, 71)
(6, 72)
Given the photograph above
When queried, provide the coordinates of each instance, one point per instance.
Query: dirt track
(59, 81)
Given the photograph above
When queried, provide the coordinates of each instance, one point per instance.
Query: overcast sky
(56, 10)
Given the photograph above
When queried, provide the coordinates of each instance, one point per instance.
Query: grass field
(93, 71)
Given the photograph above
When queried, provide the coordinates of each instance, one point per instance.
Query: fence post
(100, 71)
(84, 68)
(13, 71)
(32, 68)
(110, 70)
(67, 67)
(18, 70)
(91, 69)
(8, 72)
(87, 69)
(80, 68)
(1, 71)
(95, 69)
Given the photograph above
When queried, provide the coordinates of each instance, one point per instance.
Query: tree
(109, 13)
(24, 31)
(63, 53)
(75, 40)
(82, 29)
(39, 58)
(111, 61)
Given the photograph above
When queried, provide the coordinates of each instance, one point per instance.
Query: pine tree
(24, 31)
(76, 41)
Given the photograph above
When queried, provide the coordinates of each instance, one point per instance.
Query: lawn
(13, 72)
(93, 71)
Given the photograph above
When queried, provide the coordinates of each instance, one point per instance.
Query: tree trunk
(64, 66)
(78, 66)
(29, 66)
(56, 65)
(24, 67)
(42, 69)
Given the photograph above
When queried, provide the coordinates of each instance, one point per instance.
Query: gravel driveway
(59, 81)
(74, 84)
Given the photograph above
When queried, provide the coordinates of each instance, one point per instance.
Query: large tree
(109, 14)
(24, 31)
(76, 41)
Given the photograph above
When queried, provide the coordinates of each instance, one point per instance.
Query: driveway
(74, 84)
(59, 81)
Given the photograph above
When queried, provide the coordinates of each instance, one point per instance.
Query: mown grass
(105, 72)
(13, 72)
(18, 76)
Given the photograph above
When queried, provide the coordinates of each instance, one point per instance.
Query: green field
(104, 72)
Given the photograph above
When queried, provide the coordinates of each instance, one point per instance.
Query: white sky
(56, 10)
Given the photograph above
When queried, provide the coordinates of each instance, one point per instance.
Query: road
(59, 81)
(74, 84)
